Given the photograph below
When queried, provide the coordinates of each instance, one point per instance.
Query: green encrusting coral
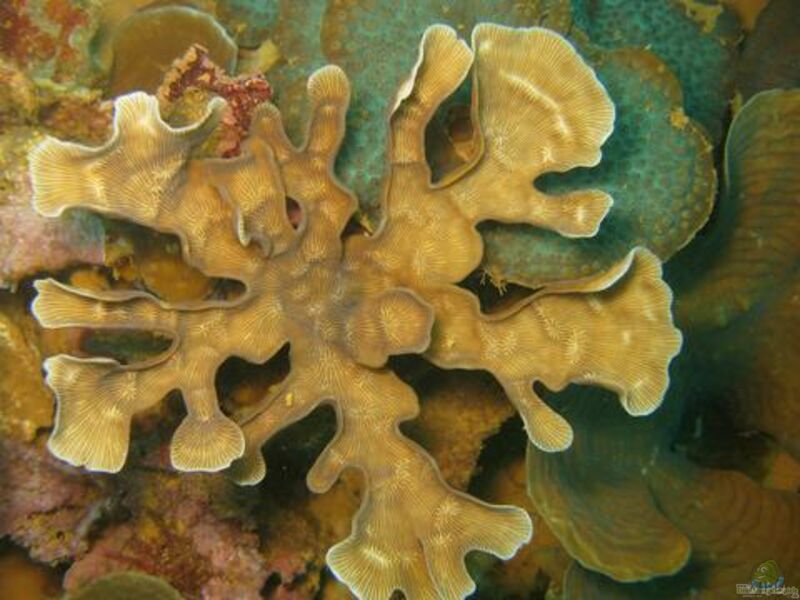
(250, 22)
(657, 166)
(352, 34)
(696, 38)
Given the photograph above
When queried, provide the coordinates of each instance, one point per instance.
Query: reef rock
(182, 529)
(29, 242)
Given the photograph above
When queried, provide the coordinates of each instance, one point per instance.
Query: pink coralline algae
(30, 243)
(243, 93)
(180, 530)
(51, 506)
(48, 38)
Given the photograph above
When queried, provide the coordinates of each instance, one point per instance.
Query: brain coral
(346, 303)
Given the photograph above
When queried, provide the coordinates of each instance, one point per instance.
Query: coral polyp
(345, 304)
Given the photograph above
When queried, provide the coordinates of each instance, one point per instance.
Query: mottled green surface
(657, 166)
(696, 38)
(298, 39)
(249, 22)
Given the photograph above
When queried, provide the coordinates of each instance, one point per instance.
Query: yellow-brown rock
(25, 404)
(456, 443)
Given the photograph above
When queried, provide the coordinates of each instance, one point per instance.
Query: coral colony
(345, 304)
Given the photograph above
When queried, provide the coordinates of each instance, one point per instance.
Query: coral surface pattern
(345, 304)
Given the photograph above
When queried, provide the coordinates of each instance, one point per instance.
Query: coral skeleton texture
(347, 303)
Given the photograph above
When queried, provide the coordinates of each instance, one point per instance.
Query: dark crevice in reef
(124, 346)
(449, 137)
(294, 212)
(499, 451)
(494, 294)
(17, 567)
(241, 384)
(152, 261)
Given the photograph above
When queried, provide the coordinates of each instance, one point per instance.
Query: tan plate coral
(346, 305)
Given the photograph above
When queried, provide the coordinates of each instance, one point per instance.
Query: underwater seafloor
(224, 269)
